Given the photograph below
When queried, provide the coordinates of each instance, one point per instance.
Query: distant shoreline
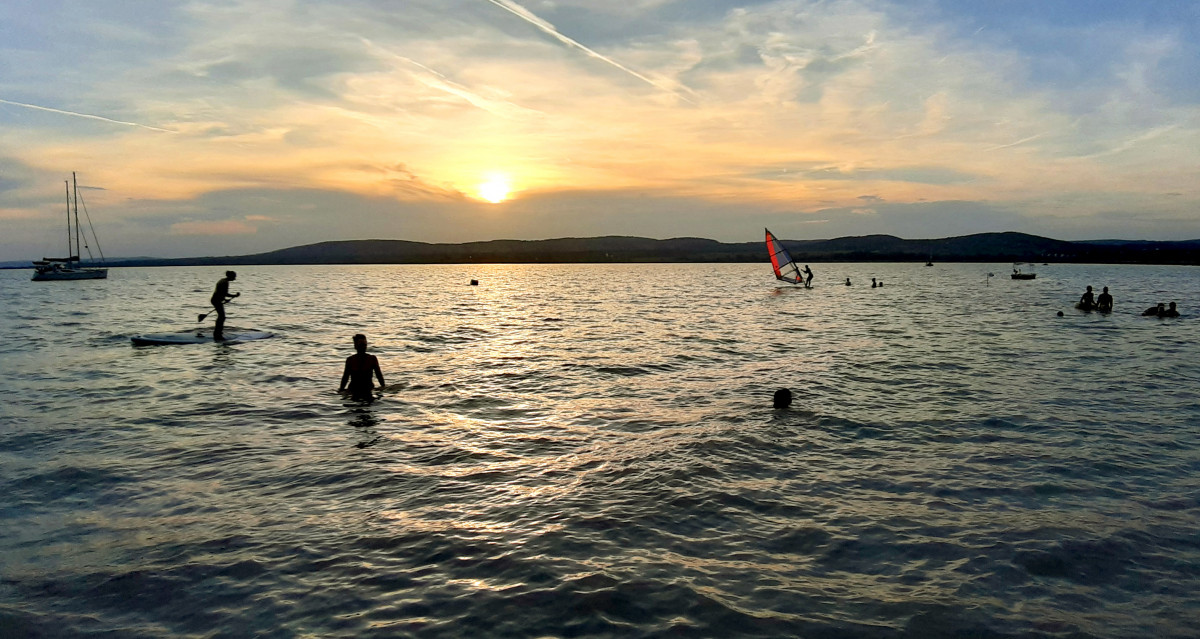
(982, 247)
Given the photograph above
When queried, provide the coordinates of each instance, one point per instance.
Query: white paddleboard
(197, 337)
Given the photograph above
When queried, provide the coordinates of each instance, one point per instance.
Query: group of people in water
(1104, 304)
(1088, 302)
(1159, 310)
(361, 367)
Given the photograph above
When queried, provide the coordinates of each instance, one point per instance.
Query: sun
(495, 189)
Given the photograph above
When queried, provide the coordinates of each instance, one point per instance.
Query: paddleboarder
(359, 368)
(219, 297)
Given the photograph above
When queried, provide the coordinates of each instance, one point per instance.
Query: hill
(981, 247)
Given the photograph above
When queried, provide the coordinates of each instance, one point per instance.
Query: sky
(233, 127)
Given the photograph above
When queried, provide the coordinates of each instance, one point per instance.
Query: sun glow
(495, 189)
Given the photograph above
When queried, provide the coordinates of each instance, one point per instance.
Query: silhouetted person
(1155, 311)
(1087, 302)
(873, 284)
(783, 398)
(1170, 312)
(1104, 302)
(807, 276)
(219, 297)
(359, 368)
(847, 281)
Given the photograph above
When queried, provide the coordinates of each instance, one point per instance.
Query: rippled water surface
(590, 450)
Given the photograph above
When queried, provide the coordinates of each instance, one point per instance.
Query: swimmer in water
(783, 398)
(359, 368)
(1087, 301)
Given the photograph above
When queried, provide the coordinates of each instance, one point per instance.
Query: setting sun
(495, 190)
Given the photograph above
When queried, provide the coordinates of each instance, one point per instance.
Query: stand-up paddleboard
(197, 337)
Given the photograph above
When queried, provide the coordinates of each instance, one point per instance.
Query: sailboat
(70, 268)
(785, 267)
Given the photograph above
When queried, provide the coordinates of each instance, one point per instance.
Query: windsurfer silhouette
(219, 297)
(807, 277)
(359, 368)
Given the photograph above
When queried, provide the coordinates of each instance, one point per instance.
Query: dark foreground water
(590, 450)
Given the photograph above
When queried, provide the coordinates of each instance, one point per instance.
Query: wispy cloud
(83, 115)
(549, 29)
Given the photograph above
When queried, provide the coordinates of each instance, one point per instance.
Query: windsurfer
(219, 297)
(359, 368)
(807, 276)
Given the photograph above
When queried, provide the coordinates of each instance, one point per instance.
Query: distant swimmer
(783, 398)
(359, 368)
(1104, 303)
(219, 298)
(1087, 302)
(1170, 312)
(847, 281)
(873, 284)
(1155, 311)
(807, 276)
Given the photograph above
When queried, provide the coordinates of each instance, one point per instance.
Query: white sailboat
(70, 267)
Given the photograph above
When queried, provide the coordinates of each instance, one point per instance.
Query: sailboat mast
(78, 245)
(67, 188)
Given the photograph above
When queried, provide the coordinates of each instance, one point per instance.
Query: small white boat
(70, 268)
(1023, 271)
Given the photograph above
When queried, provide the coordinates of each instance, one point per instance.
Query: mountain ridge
(979, 247)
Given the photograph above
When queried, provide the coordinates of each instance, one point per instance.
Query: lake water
(590, 450)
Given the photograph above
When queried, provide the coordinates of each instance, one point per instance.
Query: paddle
(200, 317)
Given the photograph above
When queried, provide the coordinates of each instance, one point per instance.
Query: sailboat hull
(70, 274)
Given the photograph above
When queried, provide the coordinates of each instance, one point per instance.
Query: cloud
(222, 227)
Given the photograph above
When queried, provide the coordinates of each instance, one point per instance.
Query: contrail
(1012, 144)
(440, 82)
(526, 15)
(83, 115)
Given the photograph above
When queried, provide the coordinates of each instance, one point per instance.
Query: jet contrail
(1021, 141)
(526, 15)
(83, 115)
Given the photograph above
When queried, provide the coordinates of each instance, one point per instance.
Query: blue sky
(218, 128)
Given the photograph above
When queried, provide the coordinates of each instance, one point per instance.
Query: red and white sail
(781, 261)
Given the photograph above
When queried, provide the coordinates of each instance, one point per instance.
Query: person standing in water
(1104, 303)
(359, 368)
(1087, 301)
(219, 297)
(807, 277)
